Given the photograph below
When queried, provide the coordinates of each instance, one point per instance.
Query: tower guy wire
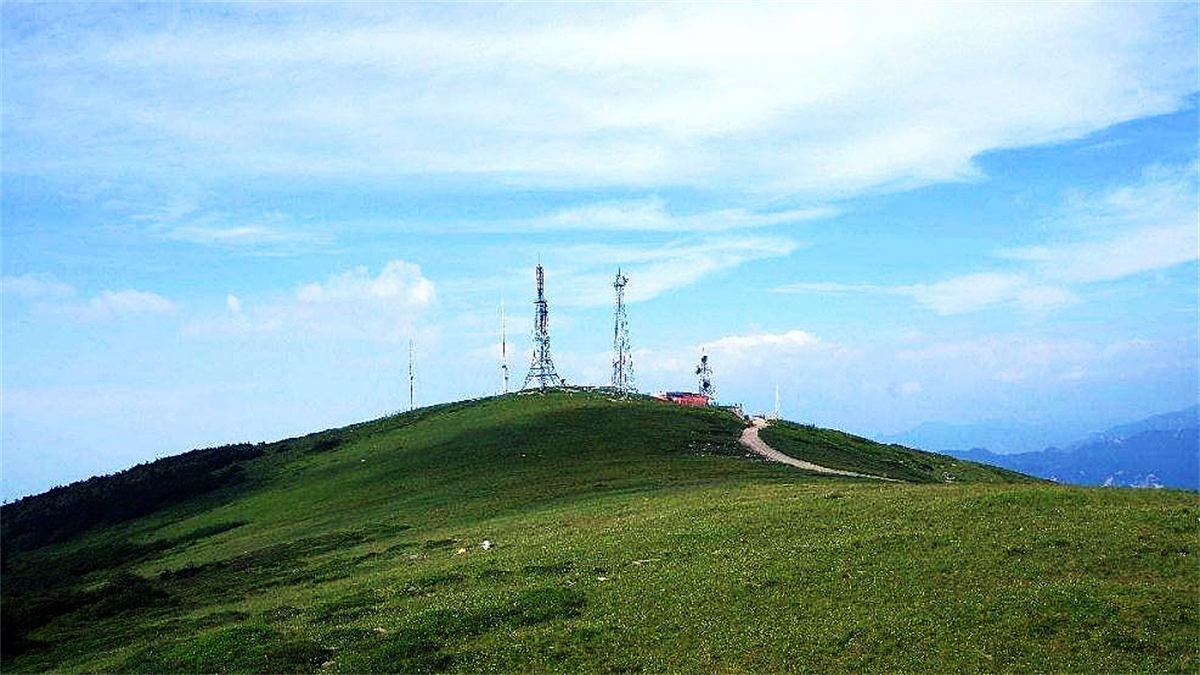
(622, 375)
(541, 368)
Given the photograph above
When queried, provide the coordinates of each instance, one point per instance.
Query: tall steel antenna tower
(503, 348)
(622, 376)
(705, 373)
(541, 368)
(410, 373)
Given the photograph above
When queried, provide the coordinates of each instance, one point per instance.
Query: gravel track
(751, 440)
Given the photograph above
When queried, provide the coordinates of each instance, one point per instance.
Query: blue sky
(223, 223)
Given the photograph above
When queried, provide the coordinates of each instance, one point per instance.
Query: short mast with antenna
(541, 368)
(410, 373)
(622, 375)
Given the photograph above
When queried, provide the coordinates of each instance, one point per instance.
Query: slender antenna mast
(503, 348)
(541, 368)
(777, 401)
(622, 375)
(410, 372)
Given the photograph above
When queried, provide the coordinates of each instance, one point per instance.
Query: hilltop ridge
(623, 534)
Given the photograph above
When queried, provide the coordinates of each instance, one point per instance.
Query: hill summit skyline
(891, 214)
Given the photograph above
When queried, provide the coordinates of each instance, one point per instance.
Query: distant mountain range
(1159, 451)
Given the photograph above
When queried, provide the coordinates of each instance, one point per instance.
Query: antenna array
(622, 375)
(705, 373)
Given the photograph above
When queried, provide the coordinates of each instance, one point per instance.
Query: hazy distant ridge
(1159, 451)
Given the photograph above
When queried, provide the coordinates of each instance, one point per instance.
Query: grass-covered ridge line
(839, 450)
(628, 536)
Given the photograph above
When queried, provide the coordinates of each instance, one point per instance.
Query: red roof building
(685, 398)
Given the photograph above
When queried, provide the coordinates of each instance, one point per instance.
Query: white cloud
(791, 340)
(399, 282)
(351, 304)
(797, 98)
(741, 353)
(34, 286)
(741, 362)
(114, 304)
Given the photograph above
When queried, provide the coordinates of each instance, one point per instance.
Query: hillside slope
(622, 535)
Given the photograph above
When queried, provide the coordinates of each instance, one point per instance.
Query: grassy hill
(624, 535)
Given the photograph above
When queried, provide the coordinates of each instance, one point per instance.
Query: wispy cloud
(1149, 225)
(265, 233)
(656, 269)
(972, 292)
(957, 295)
(792, 98)
(652, 215)
(1020, 358)
(34, 285)
(1117, 233)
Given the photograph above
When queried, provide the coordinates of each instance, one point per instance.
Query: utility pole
(541, 368)
(622, 375)
(503, 348)
(410, 372)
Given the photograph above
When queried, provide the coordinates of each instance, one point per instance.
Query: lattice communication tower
(705, 373)
(622, 375)
(541, 368)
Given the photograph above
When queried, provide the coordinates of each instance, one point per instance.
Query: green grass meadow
(626, 535)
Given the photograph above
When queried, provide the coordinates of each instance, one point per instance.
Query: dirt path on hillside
(751, 440)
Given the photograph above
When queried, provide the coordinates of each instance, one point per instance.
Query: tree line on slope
(66, 511)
